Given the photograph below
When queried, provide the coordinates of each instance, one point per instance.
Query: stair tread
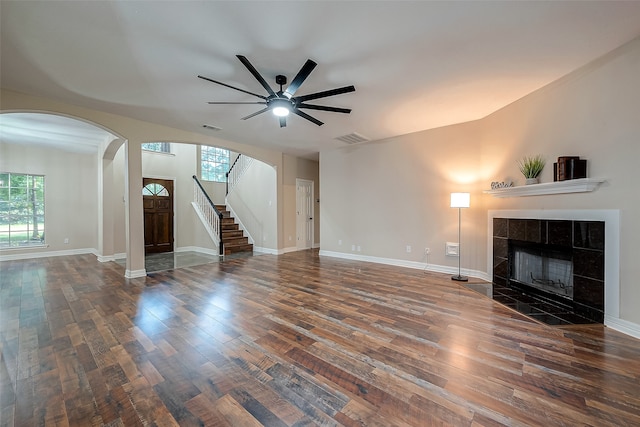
(230, 249)
(233, 238)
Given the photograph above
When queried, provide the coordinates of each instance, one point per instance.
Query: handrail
(239, 166)
(212, 215)
(229, 171)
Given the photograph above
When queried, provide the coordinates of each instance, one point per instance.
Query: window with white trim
(214, 163)
(158, 147)
(21, 210)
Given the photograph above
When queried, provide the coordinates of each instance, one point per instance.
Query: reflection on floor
(536, 308)
(172, 260)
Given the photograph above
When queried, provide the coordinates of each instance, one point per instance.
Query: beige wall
(304, 169)
(388, 194)
(71, 182)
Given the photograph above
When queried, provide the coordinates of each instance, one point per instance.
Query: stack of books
(569, 167)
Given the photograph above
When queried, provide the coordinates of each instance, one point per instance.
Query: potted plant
(531, 168)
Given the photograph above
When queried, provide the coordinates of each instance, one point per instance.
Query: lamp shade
(460, 200)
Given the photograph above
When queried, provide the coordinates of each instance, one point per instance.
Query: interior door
(157, 199)
(304, 218)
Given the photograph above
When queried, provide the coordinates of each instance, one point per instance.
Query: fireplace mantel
(581, 185)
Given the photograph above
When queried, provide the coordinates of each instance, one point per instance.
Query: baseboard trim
(624, 326)
(107, 258)
(287, 250)
(262, 250)
(47, 254)
(408, 264)
(207, 251)
(134, 274)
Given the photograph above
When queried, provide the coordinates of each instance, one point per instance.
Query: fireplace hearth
(550, 270)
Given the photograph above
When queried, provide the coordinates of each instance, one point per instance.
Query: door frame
(299, 217)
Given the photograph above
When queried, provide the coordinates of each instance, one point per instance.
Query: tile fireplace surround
(591, 237)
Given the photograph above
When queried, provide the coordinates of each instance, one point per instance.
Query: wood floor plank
(234, 413)
(293, 340)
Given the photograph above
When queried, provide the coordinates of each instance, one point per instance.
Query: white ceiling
(415, 64)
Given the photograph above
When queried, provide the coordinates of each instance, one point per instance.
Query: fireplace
(552, 270)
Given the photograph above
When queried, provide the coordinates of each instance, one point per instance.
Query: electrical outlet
(359, 248)
(408, 249)
(353, 247)
(339, 242)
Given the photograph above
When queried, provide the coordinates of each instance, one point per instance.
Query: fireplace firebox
(541, 267)
(551, 270)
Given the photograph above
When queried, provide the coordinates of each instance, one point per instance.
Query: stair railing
(236, 171)
(212, 216)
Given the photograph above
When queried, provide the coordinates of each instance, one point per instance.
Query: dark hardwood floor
(293, 340)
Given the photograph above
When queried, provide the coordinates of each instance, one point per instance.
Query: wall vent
(210, 127)
(352, 138)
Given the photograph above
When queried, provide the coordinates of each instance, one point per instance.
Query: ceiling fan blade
(256, 74)
(325, 108)
(283, 122)
(255, 114)
(306, 116)
(326, 93)
(302, 75)
(230, 103)
(232, 87)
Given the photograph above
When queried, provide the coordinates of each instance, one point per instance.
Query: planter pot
(530, 181)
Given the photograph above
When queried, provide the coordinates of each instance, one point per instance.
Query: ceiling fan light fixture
(280, 107)
(281, 111)
(281, 103)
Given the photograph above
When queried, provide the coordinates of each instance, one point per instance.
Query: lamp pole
(459, 200)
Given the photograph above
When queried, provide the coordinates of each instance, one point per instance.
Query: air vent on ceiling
(352, 138)
(211, 127)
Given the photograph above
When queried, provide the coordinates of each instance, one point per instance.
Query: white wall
(71, 182)
(388, 194)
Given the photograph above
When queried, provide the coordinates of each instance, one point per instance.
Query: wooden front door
(157, 199)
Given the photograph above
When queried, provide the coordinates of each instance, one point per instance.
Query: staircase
(233, 239)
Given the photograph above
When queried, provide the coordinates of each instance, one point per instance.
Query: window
(159, 147)
(214, 163)
(21, 210)
(154, 189)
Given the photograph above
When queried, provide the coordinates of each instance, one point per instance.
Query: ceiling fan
(282, 103)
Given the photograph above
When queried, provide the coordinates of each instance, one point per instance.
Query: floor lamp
(459, 200)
